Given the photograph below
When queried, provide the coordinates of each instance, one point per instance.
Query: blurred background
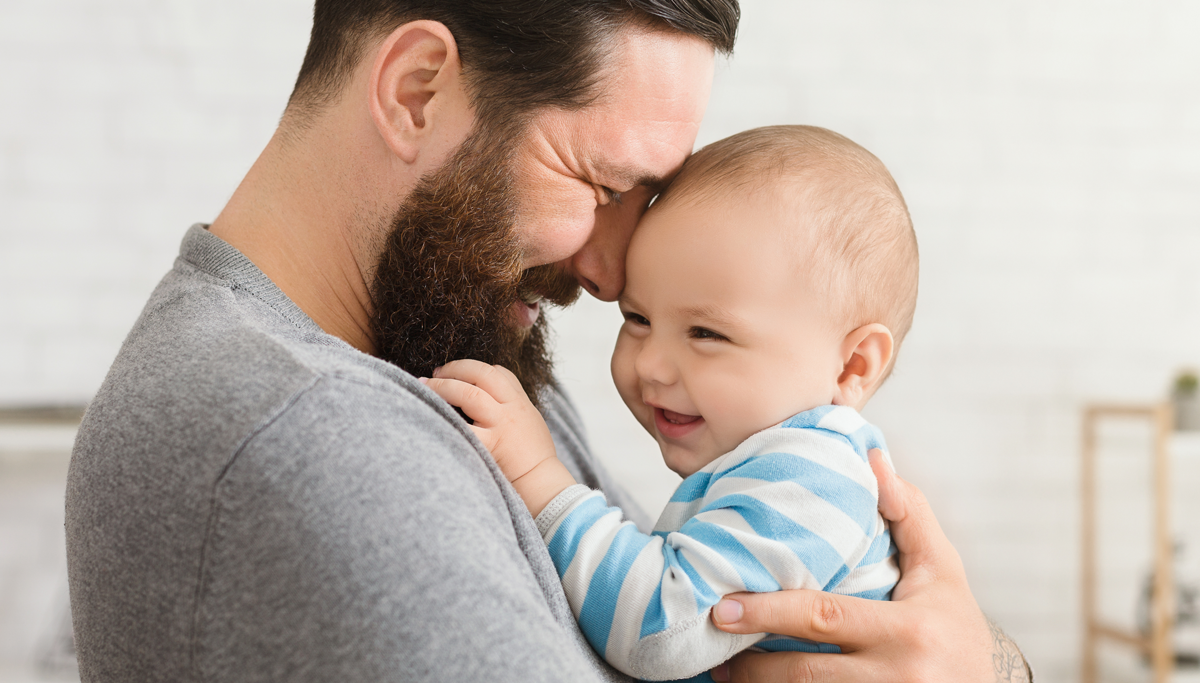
(1049, 151)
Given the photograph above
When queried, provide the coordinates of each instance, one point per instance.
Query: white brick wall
(121, 124)
(1049, 150)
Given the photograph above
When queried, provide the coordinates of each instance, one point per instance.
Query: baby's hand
(505, 420)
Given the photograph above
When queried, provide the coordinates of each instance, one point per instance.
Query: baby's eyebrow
(713, 314)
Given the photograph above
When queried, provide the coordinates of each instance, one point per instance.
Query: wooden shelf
(41, 415)
(1157, 646)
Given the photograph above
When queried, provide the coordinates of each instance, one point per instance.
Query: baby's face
(723, 334)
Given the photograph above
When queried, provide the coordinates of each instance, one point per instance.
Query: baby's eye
(705, 333)
(637, 319)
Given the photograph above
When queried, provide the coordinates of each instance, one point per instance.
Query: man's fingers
(475, 402)
(796, 667)
(891, 497)
(851, 623)
(496, 380)
(917, 534)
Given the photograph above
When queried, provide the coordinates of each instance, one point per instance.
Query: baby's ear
(866, 353)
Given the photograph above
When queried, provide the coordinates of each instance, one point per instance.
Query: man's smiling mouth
(526, 313)
(526, 309)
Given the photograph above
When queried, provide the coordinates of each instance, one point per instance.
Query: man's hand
(932, 631)
(509, 426)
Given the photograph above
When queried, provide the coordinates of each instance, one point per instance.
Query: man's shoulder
(200, 334)
(209, 367)
(224, 426)
(364, 428)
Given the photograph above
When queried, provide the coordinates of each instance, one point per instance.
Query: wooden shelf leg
(1163, 606)
(1088, 548)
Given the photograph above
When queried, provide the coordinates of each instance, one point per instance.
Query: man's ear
(866, 353)
(416, 88)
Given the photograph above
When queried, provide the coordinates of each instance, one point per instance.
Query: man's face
(514, 219)
(630, 142)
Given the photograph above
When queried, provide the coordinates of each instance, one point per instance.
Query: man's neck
(298, 215)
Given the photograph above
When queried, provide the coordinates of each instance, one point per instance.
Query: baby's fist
(506, 421)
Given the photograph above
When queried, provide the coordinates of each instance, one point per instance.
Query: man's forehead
(633, 145)
(654, 94)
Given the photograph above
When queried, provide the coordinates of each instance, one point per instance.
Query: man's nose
(599, 265)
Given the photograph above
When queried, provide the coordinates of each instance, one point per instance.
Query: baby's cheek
(738, 415)
(625, 377)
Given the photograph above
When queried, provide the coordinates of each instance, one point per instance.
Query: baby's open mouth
(673, 425)
(679, 418)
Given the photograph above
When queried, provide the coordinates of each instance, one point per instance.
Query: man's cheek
(556, 234)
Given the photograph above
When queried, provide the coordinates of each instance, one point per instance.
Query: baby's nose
(655, 366)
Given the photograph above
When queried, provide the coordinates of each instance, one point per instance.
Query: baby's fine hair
(863, 248)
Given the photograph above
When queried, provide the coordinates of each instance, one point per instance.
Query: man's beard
(450, 271)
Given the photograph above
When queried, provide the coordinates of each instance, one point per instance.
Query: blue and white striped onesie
(793, 506)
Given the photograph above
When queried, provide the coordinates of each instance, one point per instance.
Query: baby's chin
(684, 462)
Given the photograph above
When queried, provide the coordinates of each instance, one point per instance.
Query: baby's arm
(509, 426)
(765, 520)
(643, 601)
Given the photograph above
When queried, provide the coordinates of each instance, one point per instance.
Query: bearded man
(262, 490)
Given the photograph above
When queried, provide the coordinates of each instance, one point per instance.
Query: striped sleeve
(626, 588)
(790, 508)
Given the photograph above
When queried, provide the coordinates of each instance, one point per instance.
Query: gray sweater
(252, 499)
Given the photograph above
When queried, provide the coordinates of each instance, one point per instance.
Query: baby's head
(776, 274)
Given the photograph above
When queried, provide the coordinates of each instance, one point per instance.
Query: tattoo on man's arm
(1010, 664)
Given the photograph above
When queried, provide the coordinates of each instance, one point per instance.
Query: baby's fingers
(486, 436)
(496, 380)
(475, 402)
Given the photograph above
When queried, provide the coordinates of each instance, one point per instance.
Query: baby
(767, 292)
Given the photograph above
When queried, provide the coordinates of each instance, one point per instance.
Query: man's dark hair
(517, 55)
